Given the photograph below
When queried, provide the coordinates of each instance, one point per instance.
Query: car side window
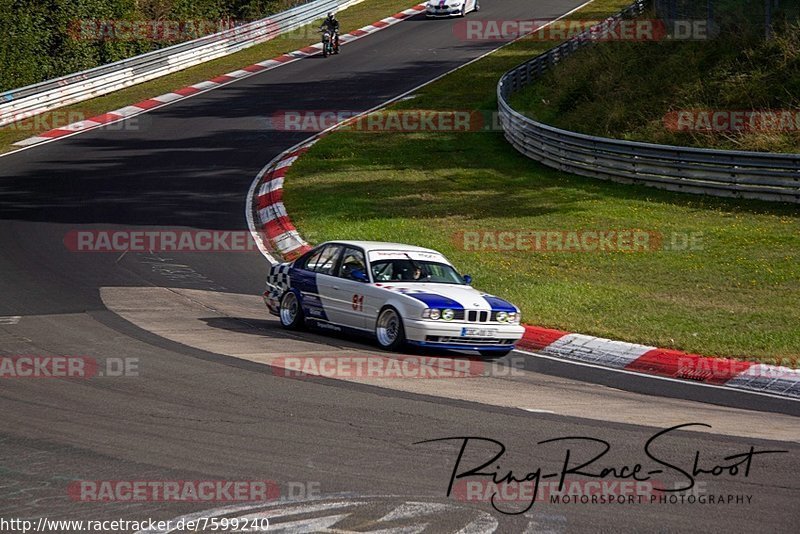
(309, 257)
(325, 261)
(352, 261)
(382, 271)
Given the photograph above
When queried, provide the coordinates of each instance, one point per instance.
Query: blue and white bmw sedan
(450, 8)
(398, 293)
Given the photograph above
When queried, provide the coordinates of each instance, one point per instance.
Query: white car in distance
(450, 8)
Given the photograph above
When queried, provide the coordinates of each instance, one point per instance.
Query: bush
(40, 42)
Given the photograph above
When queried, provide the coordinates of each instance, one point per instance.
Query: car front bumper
(463, 335)
(437, 12)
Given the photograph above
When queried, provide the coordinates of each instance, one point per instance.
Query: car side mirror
(358, 274)
(467, 279)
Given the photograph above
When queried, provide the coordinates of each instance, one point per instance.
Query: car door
(329, 286)
(348, 290)
(310, 280)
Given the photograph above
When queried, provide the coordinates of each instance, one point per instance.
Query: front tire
(290, 312)
(389, 330)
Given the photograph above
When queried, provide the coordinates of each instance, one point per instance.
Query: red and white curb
(202, 87)
(738, 374)
(268, 217)
(282, 239)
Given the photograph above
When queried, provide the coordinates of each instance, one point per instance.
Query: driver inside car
(409, 272)
(398, 271)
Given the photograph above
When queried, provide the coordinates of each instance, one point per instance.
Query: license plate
(478, 332)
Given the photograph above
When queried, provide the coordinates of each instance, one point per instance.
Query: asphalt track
(204, 404)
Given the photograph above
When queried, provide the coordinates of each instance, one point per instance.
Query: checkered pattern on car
(278, 280)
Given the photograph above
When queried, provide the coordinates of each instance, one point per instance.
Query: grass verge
(736, 292)
(353, 18)
(653, 81)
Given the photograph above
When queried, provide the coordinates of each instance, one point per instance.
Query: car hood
(449, 296)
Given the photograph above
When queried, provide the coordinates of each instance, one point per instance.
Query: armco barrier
(765, 176)
(51, 94)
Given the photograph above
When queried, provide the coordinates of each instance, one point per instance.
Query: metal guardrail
(38, 98)
(758, 175)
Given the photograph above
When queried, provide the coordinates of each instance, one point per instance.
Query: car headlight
(502, 316)
(448, 314)
(429, 313)
(513, 317)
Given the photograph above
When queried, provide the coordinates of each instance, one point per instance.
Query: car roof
(381, 245)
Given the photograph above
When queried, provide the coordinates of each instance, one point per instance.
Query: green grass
(650, 80)
(353, 18)
(738, 295)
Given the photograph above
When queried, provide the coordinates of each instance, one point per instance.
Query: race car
(451, 8)
(397, 293)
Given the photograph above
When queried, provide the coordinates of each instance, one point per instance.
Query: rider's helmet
(331, 16)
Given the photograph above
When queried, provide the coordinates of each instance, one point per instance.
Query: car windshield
(409, 270)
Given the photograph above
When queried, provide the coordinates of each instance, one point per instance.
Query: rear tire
(389, 330)
(290, 312)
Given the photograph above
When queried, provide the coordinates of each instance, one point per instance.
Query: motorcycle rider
(331, 24)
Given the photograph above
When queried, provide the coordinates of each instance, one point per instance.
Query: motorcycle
(330, 43)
